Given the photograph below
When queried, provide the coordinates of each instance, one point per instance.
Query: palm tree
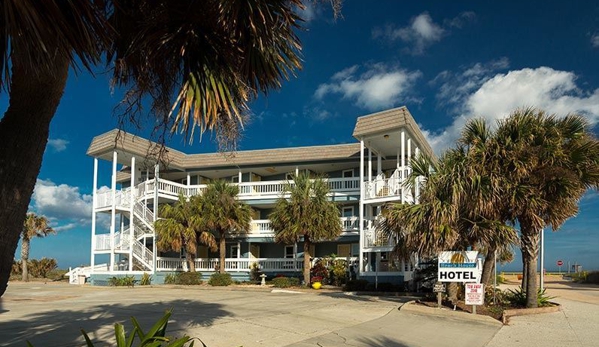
(224, 214)
(181, 227)
(307, 213)
(197, 63)
(547, 164)
(34, 226)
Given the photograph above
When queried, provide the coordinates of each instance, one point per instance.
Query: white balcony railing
(235, 264)
(102, 242)
(231, 264)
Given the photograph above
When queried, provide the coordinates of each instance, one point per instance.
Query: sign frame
(459, 266)
(474, 294)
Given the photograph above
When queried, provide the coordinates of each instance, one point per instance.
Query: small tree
(307, 213)
(224, 214)
(34, 226)
(181, 228)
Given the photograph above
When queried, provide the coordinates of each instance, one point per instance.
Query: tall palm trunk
(452, 292)
(488, 267)
(307, 256)
(24, 258)
(530, 245)
(191, 266)
(524, 271)
(34, 97)
(222, 251)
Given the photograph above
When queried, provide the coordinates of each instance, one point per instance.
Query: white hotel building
(362, 176)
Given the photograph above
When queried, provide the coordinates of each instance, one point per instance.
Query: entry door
(255, 251)
(348, 174)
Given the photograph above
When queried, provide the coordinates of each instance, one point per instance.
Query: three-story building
(362, 177)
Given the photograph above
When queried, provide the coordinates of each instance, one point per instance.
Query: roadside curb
(507, 314)
(412, 307)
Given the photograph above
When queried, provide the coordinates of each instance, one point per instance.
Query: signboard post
(559, 264)
(475, 295)
(439, 288)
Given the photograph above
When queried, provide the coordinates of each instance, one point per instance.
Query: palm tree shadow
(381, 342)
(62, 327)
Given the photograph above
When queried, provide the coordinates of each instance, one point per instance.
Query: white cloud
(310, 11)
(595, 40)
(545, 88)
(455, 88)
(460, 20)
(422, 31)
(61, 201)
(380, 86)
(58, 145)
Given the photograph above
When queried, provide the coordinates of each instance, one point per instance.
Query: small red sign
(560, 263)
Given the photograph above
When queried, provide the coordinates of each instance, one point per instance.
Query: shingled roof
(384, 121)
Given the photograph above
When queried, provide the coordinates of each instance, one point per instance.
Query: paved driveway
(52, 314)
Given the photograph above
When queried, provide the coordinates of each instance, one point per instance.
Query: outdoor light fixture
(386, 137)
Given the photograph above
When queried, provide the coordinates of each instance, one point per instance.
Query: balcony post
(94, 203)
(403, 165)
(113, 209)
(361, 204)
(369, 164)
(417, 181)
(131, 214)
(154, 249)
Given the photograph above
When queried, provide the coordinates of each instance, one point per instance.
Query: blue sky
(447, 61)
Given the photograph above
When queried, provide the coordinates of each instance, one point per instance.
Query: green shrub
(122, 281)
(189, 278)
(517, 298)
(170, 278)
(220, 280)
(146, 279)
(355, 285)
(593, 277)
(285, 282)
(255, 272)
(338, 274)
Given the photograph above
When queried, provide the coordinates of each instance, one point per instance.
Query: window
(289, 176)
(234, 251)
(235, 179)
(289, 251)
(348, 174)
(343, 250)
(348, 211)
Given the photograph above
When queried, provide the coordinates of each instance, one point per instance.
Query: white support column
(131, 213)
(296, 171)
(417, 183)
(361, 207)
(156, 179)
(295, 256)
(369, 164)
(409, 154)
(113, 209)
(379, 164)
(94, 203)
(397, 161)
(403, 165)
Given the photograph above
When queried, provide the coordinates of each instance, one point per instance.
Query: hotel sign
(459, 267)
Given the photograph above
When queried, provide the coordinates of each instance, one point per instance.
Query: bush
(319, 270)
(355, 285)
(285, 282)
(41, 268)
(146, 279)
(170, 279)
(122, 281)
(189, 278)
(220, 280)
(517, 298)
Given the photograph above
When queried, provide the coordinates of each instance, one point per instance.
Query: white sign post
(475, 295)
